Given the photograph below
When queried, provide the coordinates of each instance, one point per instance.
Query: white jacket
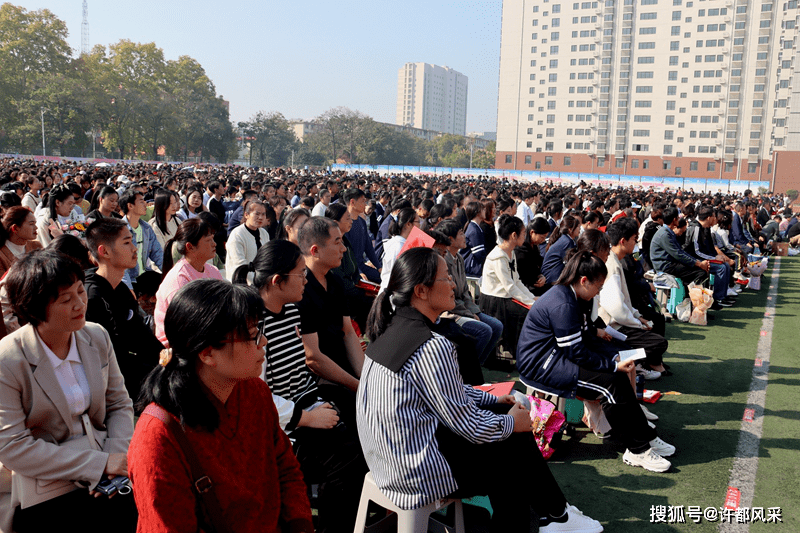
(241, 249)
(499, 281)
(616, 308)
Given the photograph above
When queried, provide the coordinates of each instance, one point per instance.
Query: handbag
(27, 491)
(213, 521)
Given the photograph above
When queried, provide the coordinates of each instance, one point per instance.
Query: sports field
(713, 370)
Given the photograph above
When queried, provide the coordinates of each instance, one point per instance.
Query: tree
(485, 158)
(33, 44)
(273, 139)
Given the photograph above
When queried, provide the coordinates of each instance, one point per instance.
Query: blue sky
(304, 57)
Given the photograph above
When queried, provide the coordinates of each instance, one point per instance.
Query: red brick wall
(588, 164)
(787, 171)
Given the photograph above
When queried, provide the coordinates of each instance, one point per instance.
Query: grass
(712, 368)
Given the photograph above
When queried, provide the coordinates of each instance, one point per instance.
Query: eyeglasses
(303, 274)
(256, 339)
(448, 279)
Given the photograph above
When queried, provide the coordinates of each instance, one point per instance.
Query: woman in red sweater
(208, 382)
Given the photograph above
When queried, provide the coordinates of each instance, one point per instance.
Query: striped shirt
(398, 413)
(286, 372)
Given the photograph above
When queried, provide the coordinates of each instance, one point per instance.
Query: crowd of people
(229, 309)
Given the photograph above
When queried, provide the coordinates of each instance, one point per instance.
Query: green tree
(485, 158)
(273, 140)
(32, 45)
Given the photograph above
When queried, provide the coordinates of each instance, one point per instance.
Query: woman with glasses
(207, 389)
(327, 448)
(246, 239)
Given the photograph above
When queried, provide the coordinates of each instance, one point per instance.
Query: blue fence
(570, 178)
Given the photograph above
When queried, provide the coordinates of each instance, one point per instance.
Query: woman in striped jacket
(422, 429)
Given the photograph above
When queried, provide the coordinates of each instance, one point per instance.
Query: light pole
(44, 148)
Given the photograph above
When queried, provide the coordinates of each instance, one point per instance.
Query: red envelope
(497, 389)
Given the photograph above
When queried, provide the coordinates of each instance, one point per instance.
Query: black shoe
(716, 306)
(729, 300)
(723, 303)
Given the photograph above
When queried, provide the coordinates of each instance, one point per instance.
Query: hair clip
(165, 357)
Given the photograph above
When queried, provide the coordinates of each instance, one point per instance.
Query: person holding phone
(60, 388)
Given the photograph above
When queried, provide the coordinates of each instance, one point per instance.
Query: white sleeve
(613, 303)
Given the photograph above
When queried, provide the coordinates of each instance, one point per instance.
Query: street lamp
(44, 148)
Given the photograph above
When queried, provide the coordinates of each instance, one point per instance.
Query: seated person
(112, 305)
(422, 429)
(328, 451)
(529, 260)
(552, 355)
(700, 245)
(648, 231)
(474, 250)
(500, 284)
(333, 351)
(739, 236)
(356, 202)
(484, 328)
(668, 256)
(561, 240)
(616, 307)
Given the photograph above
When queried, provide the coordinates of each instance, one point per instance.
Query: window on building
(508, 158)
(527, 160)
(548, 160)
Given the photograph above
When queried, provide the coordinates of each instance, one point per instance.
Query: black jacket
(135, 345)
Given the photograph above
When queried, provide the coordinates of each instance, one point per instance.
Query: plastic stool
(412, 521)
(560, 403)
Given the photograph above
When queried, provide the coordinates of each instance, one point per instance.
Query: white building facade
(697, 88)
(431, 97)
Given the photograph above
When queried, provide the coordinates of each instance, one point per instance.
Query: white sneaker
(651, 424)
(574, 522)
(648, 460)
(649, 375)
(662, 448)
(732, 292)
(647, 414)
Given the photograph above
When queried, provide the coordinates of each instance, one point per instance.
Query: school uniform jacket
(475, 253)
(553, 262)
(551, 344)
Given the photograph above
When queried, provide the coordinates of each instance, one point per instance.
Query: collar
(72, 356)
(408, 330)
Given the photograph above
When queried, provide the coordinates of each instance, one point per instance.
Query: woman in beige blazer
(52, 371)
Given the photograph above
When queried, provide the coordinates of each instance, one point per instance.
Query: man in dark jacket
(112, 305)
(700, 245)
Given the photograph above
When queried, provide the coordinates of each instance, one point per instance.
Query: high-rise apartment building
(431, 97)
(692, 88)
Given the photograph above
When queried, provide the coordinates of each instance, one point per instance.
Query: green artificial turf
(779, 454)
(712, 368)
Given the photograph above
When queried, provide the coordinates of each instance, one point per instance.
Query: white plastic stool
(413, 521)
(558, 401)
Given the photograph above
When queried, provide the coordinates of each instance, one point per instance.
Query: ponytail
(567, 226)
(582, 264)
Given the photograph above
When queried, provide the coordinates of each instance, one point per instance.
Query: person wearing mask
(245, 241)
(205, 398)
(411, 392)
(553, 356)
(65, 416)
